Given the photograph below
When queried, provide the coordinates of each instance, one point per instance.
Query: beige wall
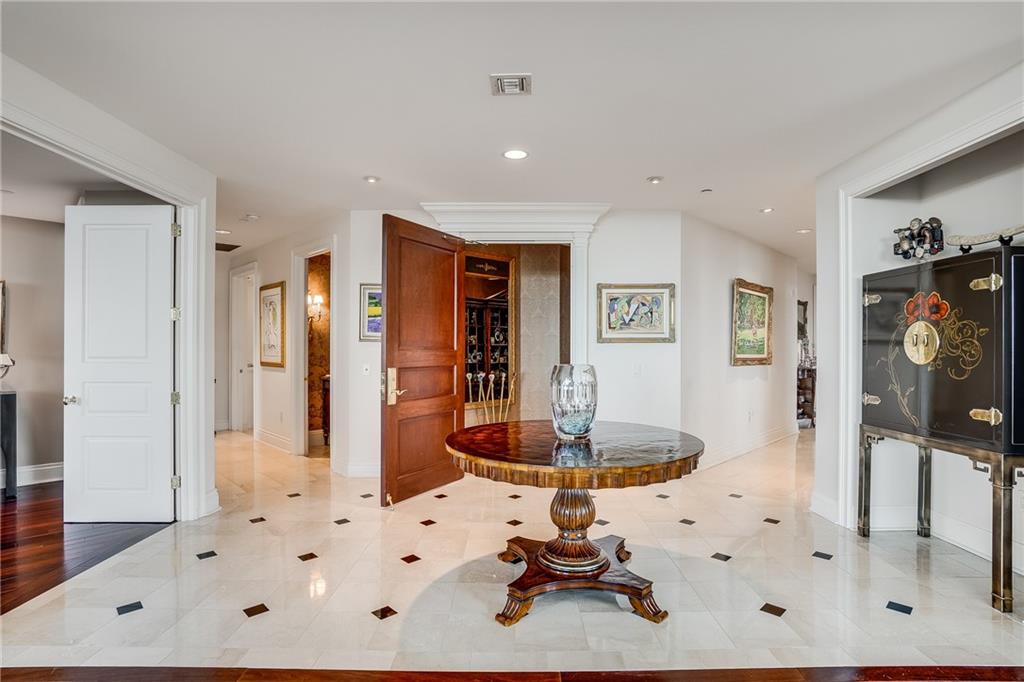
(32, 263)
(539, 323)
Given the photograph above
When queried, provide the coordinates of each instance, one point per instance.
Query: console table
(9, 440)
(1001, 469)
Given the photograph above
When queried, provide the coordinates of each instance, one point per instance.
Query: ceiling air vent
(511, 84)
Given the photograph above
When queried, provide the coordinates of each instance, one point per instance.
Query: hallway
(311, 556)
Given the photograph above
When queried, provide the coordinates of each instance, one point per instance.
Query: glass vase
(573, 400)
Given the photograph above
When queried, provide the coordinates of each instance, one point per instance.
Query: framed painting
(751, 323)
(371, 312)
(272, 325)
(636, 313)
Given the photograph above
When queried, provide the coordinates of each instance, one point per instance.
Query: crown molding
(490, 218)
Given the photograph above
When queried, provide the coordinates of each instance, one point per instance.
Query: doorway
(242, 305)
(318, 355)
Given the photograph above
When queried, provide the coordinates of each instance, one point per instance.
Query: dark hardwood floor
(736, 675)
(39, 551)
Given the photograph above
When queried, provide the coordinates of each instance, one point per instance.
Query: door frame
(298, 352)
(236, 277)
(41, 112)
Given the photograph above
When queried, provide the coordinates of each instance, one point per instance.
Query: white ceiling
(38, 184)
(294, 104)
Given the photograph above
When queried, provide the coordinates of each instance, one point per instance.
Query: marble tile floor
(303, 569)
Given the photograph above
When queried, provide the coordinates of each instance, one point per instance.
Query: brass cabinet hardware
(871, 299)
(979, 466)
(991, 415)
(991, 283)
(869, 399)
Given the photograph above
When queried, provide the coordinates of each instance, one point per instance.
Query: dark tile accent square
(602, 522)
(440, 496)
(255, 610)
(514, 522)
(720, 556)
(736, 495)
(822, 555)
(428, 522)
(772, 521)
(773, 609)
(294, 494)
(258, 519)
(898, 607)
(410, 558)
(384, 612)
(663, 496)
(128, 608)
(307, 556)
(206, 555)
(687, 522)
(514, 496)
(366, 495)
(341, 522)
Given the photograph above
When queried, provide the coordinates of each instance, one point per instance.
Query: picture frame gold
(273, 330)
(665, 292)
(752, 309)
(371, 295)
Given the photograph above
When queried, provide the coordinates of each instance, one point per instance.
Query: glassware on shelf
(573, 400)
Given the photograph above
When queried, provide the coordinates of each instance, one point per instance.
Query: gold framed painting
(636, 313)
(272, 324)
(751, 323)
(371, 312)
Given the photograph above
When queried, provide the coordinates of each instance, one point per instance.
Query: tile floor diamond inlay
(822, 555)
(258, 519)
(514, 522)
(440, 496)
(773, 609)
(206, 555)
(366, 495)
(427, 522)
(663, 496)
(128, 608)
(736, 495)
(899, 608)
(294, 494)
(772, 521)
(318, 613)
(410, 558)
(602, 522)
(307, 556)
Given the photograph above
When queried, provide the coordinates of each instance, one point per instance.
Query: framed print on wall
(636, 313)
(272, 325)
(751, 323)
(371, 312)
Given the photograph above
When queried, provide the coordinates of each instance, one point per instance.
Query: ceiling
(292, 104)
(38, 184)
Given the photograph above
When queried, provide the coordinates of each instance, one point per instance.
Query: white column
(580, 304)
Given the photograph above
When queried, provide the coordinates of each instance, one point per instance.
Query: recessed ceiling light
(804, 230)
(371, 179)
(655, 179)
(707, 190)
(223, 231)
(249, 218)
(515, 154)
(766, 209)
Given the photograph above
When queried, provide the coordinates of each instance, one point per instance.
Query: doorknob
(70, 400)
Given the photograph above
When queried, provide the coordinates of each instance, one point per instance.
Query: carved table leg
(924, 491)
(573, 561)
(1002, 476)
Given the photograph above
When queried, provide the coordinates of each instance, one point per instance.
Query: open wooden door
(422, 358)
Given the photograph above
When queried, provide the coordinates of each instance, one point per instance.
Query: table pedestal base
(537, 579)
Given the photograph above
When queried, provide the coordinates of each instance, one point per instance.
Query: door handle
(392, 386)
(70, 400)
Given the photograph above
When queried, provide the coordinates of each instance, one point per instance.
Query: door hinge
(175, 482)
(175, 314)
(175, 398)
(871, 299)
(175, 230)
(991, 283)
(869, 399)
(991, 415)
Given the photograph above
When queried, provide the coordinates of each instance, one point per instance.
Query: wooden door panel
(422, 344)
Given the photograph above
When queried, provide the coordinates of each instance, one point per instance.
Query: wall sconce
(314, 306)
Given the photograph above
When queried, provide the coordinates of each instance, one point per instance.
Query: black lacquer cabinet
(944, 350)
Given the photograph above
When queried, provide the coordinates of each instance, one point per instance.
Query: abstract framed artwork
(371, 312)
(272, 324)
(636, 313)
(751, 323)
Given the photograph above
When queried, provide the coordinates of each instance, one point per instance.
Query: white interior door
(243, 350)
(118, 363)
(248, 354)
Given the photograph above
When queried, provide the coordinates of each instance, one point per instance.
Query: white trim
(999, 123)
(39, 111)
(30, 474)
(222, 425)
(274, 440)
(234, 361)
(543, 223)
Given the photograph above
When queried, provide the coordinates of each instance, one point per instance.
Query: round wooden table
(617, 455)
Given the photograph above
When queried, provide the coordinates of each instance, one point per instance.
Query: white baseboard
(315, 438)
(717, 455)
(37, 473)
(222, 425)
(362, 471)
(825, 507)
(272, 439)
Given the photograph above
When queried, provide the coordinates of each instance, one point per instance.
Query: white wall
(221, 341)
(974, 200)
(733, 409)
(32, 263)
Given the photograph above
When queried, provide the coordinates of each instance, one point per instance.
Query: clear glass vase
(573, 400)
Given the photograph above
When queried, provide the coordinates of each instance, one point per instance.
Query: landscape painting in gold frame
(751, 323)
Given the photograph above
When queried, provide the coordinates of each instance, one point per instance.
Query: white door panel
(118, 363)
